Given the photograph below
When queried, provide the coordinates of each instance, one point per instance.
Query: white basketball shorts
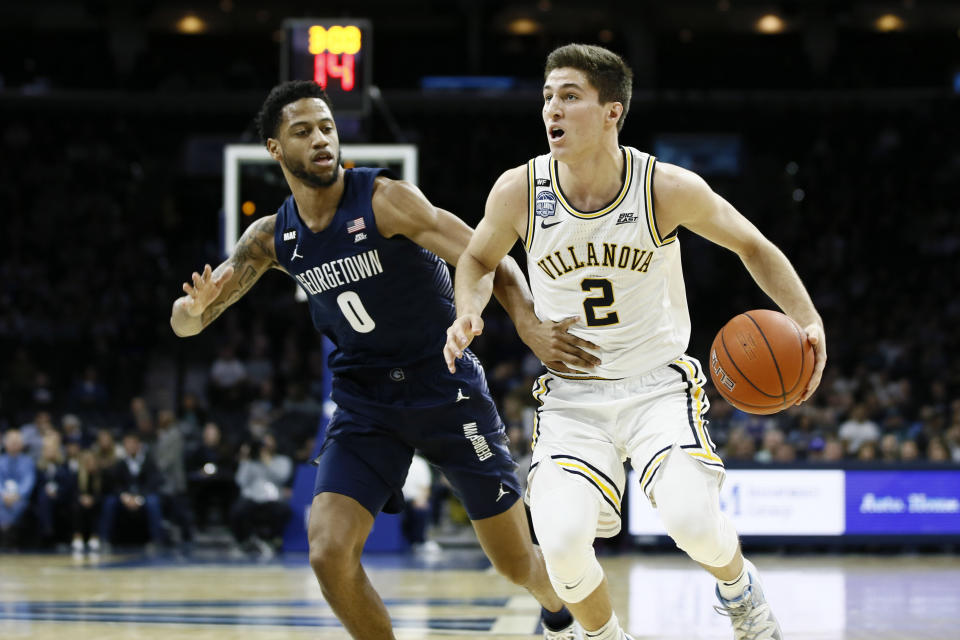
(589, 427)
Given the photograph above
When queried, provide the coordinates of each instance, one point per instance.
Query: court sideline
(454, 594)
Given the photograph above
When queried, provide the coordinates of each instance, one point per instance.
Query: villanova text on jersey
(366, 292)
(603, 254)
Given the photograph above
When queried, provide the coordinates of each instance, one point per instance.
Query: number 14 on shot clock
(334, 53)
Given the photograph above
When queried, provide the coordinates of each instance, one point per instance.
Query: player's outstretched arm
(213, 290)
(503, 222)
(401, 208)
(682, 198)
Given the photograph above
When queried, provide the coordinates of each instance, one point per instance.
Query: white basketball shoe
(571, 632)
(750, 614)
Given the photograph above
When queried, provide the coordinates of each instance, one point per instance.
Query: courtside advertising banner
(765, 502)
(827, 502)
(910, 502)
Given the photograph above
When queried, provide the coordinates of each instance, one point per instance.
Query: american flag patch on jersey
(356, 225)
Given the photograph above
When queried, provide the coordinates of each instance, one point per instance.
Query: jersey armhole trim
(658, 240)
(531, 222)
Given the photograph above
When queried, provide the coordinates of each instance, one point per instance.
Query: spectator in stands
(90, 490)
(909, 451)
(34, 432)
(168, 453)
(190, 418)
(89, 396)
(259, 367)
(136, 482)
(41, 394)
(890, 448)
(784, 453)
(937, 450)
(867, 451)
(261, 513)
(952, 440)
(71, 428)
(210, 472)
(54, 491)
(772, 439)
(858, 429)
(299, 400)
(802, 432)
(105, 450)
(416, 513)
(139, 413)
(519, 441)
(17, 476)
(740, 445)
(832, 450)
(228, 378)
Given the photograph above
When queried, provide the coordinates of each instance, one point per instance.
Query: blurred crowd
(107, 417)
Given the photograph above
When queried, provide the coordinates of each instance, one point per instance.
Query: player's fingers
(579, 348)
(580, 358)
(450, 358)
(557, 365)
(460, 339)
(476, 325)
(206, 271)
(580, 342)
(820, 364)
(566, 323)
(224, 276)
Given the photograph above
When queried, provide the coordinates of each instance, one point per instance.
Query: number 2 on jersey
(355, 313)
(605, 299)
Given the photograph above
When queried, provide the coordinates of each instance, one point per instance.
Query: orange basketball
(761, 361)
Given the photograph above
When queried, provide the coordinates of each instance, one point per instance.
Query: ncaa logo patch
(546, 205)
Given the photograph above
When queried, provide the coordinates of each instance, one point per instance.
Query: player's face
(572, 113)
(309, 142)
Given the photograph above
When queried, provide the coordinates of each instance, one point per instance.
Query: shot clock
(333, 52)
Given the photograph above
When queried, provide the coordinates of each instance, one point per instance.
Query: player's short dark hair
(605, 70)
(280, 96)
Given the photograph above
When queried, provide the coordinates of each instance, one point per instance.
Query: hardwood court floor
(455, 595)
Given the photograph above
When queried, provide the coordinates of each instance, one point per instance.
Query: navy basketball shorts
(384, 415)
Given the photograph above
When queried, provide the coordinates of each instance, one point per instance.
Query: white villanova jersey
(611, 267)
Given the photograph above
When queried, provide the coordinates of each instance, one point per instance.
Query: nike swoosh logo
(544, 225)
(578, 581)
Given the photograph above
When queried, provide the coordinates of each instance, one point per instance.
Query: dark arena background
(130, 158)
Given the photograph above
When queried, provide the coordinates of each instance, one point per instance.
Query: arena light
(770, 23)
(191, 24)
(523, 26)
(889, 22)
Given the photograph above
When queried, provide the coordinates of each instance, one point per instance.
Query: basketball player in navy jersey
(599, 223)
(369, 253)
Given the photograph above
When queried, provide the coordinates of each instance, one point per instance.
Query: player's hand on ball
(459, 336)
(817, 337)
(205, 289)
(559, 349)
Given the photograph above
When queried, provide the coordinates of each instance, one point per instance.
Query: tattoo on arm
(253, 255)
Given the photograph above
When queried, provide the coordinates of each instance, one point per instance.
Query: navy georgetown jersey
(384, 302)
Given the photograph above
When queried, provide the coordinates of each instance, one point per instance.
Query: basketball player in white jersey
(599, 223)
